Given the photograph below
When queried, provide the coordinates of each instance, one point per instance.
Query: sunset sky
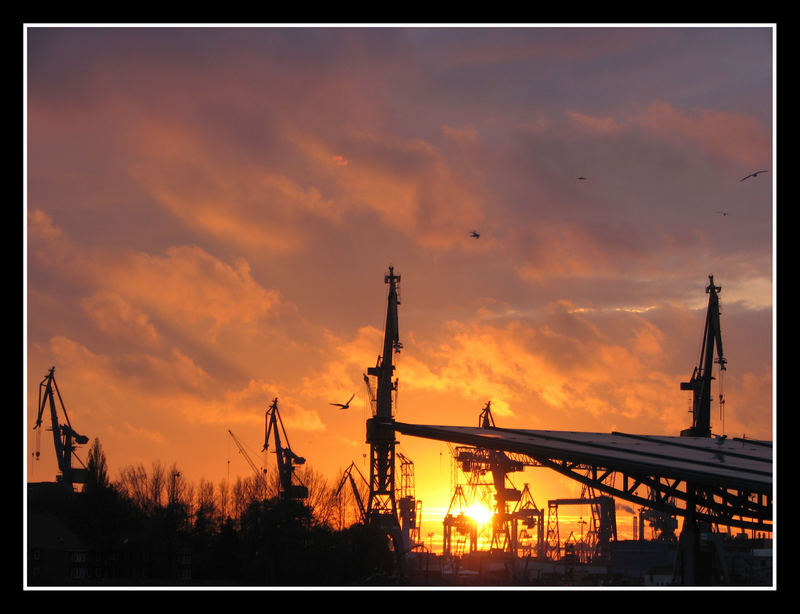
(210, 212)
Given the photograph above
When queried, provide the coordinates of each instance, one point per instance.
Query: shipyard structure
(704, 502)
(719, 491)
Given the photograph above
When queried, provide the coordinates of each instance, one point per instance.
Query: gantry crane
(528, 513)
(479, 461)
(287, 459)
(410, 508)
(700, 382)
(64, 436)
(461, 522)
(603, 531)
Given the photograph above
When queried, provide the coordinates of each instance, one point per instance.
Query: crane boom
(347, 476)
(260, 474)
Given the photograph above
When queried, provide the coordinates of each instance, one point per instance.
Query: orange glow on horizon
(219, 238)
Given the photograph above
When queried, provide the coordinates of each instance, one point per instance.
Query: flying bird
(344, 405)
(755, 174)
(723, 213)
(474, 234)
(581, 178)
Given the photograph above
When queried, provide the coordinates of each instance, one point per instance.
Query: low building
(56, 556)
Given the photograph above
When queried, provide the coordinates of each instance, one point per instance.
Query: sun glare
(479, 513)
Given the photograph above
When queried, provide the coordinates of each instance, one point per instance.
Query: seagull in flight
(344, 405)
(581, 178)
(474, 234)
(755, 174)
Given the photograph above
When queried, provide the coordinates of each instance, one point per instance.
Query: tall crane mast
(65, 438)
(381, 504)
(287, 459)
(700, 382)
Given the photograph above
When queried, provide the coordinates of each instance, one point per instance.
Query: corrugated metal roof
(717, 461)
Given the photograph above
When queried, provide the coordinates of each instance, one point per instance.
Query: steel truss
(745, 504)
(718, 505)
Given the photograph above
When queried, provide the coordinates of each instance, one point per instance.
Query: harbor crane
(479, 461)
(464, 526)
(693, 563)
(347, 476)
(287, 459)
(65, 438)
(382, 505)
(700, 382)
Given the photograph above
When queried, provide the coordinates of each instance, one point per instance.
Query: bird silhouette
(723, 213)
(474, 234)
(755, 174)
(344, 405)
(581, 178)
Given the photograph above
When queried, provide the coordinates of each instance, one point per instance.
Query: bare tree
(223, 500)
(206, 511)
(132, 483)
(176, 491)
(240, 497)
(157, 486)
(321, 496)
(188, 500)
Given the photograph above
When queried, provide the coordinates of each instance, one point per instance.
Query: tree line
(139, 527)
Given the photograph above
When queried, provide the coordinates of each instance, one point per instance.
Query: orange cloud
(411, 183)
(186, 286)
(119, 318)
(598, 125)
(522, 369)
(137, 433)
(735, 136)
(562, 250)
(466, 135)
(46, 243)
(343, 374)
(192, 288)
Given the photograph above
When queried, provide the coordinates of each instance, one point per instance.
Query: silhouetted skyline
(211, 211)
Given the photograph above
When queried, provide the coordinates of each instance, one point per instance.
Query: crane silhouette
(344, 405)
